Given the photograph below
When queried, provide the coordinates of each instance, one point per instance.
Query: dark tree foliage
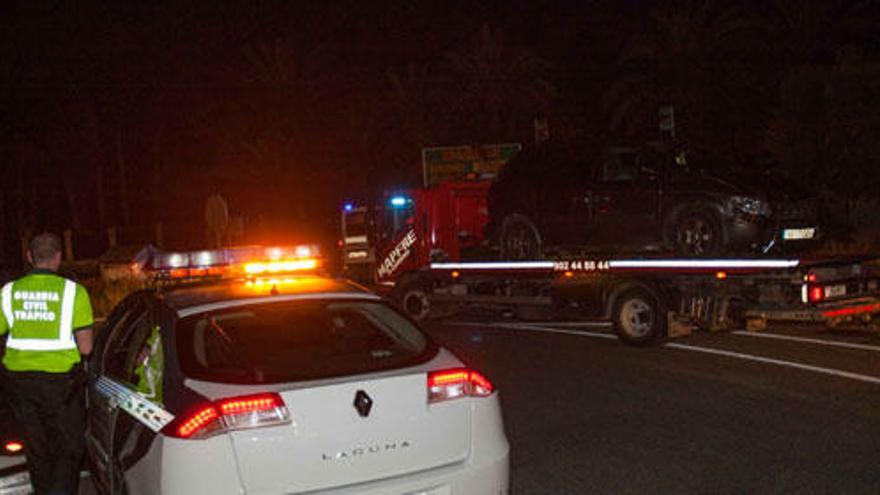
(128, 113)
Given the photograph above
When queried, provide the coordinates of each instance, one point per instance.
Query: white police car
(14, 479)
(287, 384)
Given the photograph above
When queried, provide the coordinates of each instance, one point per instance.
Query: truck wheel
(638, 317)
(519, 239)
(412, 298)
(696, 232)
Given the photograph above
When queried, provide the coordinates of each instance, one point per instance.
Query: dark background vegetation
(127, 113)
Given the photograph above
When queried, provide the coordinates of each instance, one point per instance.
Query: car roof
(188, 298)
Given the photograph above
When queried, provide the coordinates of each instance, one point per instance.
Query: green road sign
(446, 163)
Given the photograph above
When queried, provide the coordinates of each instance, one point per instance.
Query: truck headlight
(749, 206)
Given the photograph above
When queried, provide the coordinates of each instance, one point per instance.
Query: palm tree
(696, 56)
(495, 86)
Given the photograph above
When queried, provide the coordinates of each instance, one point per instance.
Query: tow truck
(426, 250)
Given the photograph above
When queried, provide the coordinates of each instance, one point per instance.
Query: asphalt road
(709, 413)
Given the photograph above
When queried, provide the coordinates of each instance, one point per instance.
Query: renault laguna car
(14, 478)
(291, 383)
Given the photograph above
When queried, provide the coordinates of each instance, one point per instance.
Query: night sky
(127, 113)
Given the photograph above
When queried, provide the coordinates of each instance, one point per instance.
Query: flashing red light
(817, 293)
(452, 384)
(13, 447)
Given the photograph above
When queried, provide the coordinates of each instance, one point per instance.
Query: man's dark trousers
(50, 408)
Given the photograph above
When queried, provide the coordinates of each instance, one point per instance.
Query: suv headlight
(749, 206)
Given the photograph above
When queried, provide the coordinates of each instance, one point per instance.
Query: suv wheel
(696, 232)
(519, 239)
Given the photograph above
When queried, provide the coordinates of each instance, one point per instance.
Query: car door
(566, 213)
(101, 412)
(626, 201)
(110, 427)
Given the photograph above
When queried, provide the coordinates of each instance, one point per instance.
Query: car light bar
(235, 413)
(281, 266)
(237, 261)
(456, 383)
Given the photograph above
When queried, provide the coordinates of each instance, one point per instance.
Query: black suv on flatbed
(629, 199)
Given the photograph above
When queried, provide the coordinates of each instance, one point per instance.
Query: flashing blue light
(348, 207)
(398, 201)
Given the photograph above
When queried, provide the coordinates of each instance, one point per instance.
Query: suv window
(300, 340)
(620, 167)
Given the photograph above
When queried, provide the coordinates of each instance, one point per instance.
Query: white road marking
(563, 324)
(705, 350)
(561, 331)
(778, 362)
(533, 328)
(863, 347)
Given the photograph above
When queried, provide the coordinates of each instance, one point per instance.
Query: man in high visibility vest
(48, 319)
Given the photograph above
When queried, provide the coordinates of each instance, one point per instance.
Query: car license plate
(440, 490)
(797, 234)
(835, 290)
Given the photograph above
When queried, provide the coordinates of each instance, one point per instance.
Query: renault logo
(363, 403)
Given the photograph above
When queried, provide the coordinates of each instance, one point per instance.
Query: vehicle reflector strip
(500, 265)
(852, 310)
(717, 264)
(147, 412)
(565, 265)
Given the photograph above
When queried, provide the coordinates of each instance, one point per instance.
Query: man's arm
(83, 321)
(84, 341)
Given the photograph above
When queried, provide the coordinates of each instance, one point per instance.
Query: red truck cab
(411, 228)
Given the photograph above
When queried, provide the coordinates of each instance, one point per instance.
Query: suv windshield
(297, 341)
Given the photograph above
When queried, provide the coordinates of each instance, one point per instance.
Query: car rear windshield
(296, 341)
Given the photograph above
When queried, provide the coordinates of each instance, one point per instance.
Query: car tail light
(235, 413)
(816, 293)
(460, 382)
(13, 447)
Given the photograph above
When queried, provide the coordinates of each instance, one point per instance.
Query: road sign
(445, 163)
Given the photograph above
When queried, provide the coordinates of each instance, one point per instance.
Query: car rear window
(296, 341)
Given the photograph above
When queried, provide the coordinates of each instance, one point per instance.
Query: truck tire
(519, 239)
(696, 231)
(412, 297)
(638, 317)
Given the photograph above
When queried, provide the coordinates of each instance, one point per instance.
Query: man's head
(45, 251)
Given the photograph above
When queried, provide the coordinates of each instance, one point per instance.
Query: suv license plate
(835, 290)
(797, 234)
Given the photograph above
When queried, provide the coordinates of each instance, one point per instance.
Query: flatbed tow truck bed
(646, 297)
